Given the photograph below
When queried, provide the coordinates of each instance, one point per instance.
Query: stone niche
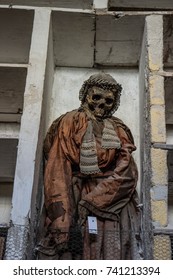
(85, 47)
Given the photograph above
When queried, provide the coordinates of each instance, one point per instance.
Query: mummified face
(99, 101)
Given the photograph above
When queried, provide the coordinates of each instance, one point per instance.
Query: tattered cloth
(70, 195)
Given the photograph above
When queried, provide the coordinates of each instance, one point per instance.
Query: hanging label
(92, 225)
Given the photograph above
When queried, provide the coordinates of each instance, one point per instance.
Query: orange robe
(71, 196)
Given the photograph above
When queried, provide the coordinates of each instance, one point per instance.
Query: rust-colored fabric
(71, 196)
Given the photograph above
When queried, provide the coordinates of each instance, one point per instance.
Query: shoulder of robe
(53, 129)
(120, 123)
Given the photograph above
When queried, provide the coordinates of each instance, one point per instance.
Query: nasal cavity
(101, 106)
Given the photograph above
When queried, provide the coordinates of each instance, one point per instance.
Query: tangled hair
(104, 81)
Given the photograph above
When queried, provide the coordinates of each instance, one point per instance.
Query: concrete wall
(82, 4)
(15, 36)
(140, 4)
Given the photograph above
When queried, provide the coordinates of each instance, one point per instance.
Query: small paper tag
(92, 225)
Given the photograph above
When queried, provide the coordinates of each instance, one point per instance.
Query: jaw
(96, 112)
(99, 113)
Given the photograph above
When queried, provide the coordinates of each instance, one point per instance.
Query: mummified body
(90, 172)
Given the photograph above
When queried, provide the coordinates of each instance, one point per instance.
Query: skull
(99, 101)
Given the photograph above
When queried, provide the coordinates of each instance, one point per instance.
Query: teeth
(99, 112)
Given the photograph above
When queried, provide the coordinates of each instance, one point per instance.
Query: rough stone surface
(156, 85)
(155, 42)
(159, 168)
(159, 212)
(158, 127)
(162, 247)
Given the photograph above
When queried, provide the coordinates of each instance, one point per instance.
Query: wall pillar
(158, 156)
(29, 152)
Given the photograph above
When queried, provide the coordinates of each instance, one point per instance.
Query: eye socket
(96, 97)
(109, 101)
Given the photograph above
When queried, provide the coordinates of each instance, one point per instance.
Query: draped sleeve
(64, 152)
(114, 192)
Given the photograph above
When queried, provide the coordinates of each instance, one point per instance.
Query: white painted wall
(29, 148)
(68, 81)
